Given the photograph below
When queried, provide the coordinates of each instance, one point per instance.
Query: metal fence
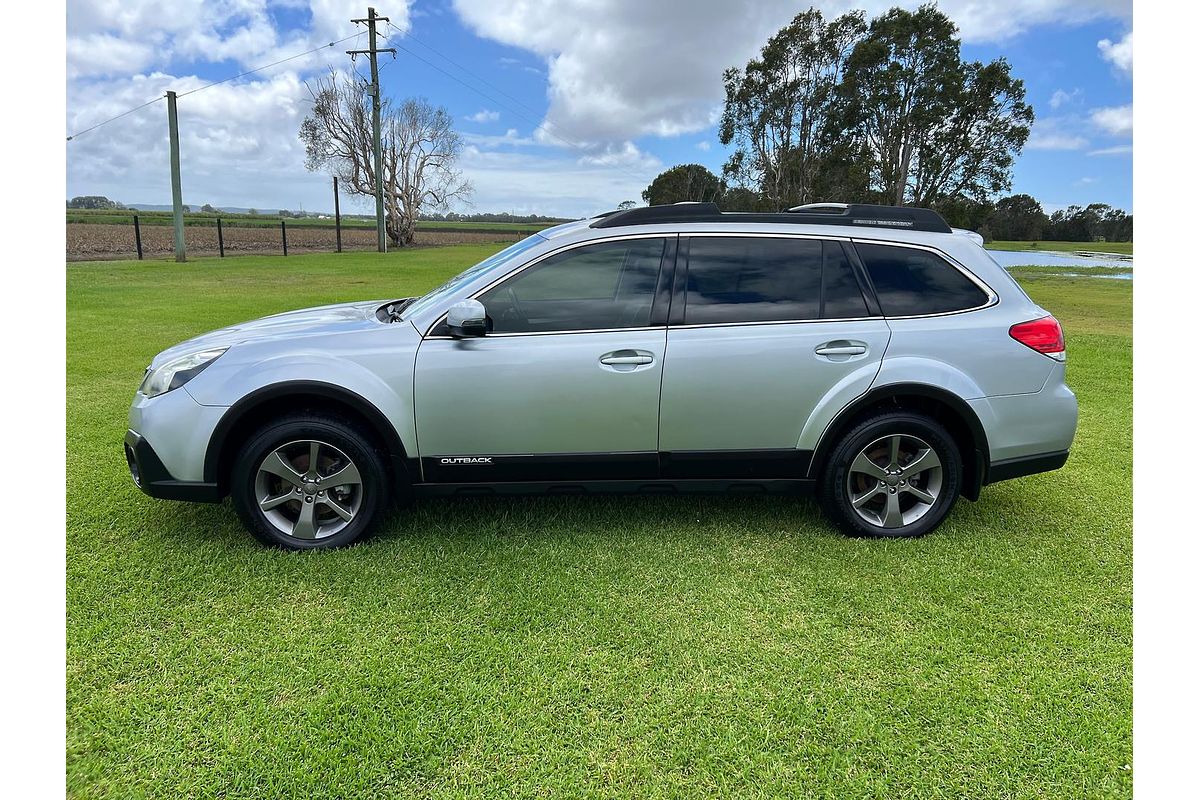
(146, 236)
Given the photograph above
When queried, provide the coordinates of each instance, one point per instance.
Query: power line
(272, 64)
(117, 117)
(444, 57)
(545, 124)
(214, 83)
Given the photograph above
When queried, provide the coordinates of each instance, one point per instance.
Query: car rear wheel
(896, 474)
(309, 482)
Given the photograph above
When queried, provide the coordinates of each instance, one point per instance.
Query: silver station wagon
(869, 354)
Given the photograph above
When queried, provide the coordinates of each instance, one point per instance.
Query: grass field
(641, 647)
(1125, 248)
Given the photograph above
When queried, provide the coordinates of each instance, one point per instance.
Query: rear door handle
(841, 348)
(627, 358)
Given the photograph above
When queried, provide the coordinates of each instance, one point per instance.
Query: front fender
(377, 369)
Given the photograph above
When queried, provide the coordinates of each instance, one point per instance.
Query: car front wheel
(309, 482)
(896, 474)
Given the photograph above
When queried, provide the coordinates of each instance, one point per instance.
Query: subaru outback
(871, 355)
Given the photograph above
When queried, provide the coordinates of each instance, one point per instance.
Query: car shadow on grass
(703, 517)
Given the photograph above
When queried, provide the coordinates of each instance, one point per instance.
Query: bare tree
(420, 149)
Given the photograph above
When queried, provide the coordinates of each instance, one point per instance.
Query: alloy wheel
(308, 489)
(894, 481)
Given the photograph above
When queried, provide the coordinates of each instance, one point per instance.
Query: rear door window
(911, 282)
(841, 296)
(739, 279)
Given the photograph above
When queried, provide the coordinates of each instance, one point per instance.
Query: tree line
(1017, 217)
(884, 111)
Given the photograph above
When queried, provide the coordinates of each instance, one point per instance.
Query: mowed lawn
(560, 647)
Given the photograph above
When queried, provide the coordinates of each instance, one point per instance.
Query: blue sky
(567, 107)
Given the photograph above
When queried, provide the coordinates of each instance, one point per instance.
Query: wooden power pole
(371, 19)
(337, 214)
(176, 186)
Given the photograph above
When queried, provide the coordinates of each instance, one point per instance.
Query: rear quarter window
(912, 282)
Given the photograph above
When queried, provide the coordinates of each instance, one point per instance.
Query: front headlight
(176, 373)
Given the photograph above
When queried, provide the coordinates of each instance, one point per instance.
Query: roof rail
(900, 217)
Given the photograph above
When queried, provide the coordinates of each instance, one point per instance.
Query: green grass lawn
(1065, 247)
(642, 647)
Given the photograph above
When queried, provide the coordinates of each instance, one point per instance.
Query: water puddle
(1079, 264)
(1042, 258)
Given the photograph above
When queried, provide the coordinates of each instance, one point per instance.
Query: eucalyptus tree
(933, 124)
(778, 111)
(684, 183)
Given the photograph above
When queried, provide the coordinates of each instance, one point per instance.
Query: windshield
(424, 302)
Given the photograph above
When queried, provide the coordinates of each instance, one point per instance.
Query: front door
(565, 385)
(768, 327)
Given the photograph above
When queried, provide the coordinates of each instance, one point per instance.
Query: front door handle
(841, 349)
(628, 359)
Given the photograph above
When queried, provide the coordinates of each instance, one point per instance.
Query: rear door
(762, 328)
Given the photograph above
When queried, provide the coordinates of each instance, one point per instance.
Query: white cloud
(704, 145)
(483, 115)
(1049, 134)
(557, 184)
(238, 140)
(97, 54)
(625, 154)
(1118, 150)
(1062, 97)
(1087, 181)
(511, 138)
(1120, 54)
(238, 143)
(242, 31)
(1115, 120)
(620, 70)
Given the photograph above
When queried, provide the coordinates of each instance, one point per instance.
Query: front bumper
(152, 477)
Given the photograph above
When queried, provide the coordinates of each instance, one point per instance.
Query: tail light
(1044, 335)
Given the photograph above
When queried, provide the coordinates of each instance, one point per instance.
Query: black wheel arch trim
(973, 479)
(247, 404)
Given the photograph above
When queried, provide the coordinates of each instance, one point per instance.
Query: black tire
(834, 493)
(339, 440)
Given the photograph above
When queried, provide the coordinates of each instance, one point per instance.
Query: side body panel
(540, 394)
(755, 386)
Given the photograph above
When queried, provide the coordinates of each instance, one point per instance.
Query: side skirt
(617, 487)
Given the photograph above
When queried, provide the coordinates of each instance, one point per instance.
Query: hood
(322, 320)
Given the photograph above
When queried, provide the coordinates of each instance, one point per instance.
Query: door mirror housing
(467, 318)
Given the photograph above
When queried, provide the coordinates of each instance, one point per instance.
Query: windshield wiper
(392, 311)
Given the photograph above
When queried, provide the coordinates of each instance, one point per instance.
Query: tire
(892, 493)
(283, 503)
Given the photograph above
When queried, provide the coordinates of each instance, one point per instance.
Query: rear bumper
(1011, 468)
(152, 477)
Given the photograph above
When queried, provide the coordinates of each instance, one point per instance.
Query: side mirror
(467, 318)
